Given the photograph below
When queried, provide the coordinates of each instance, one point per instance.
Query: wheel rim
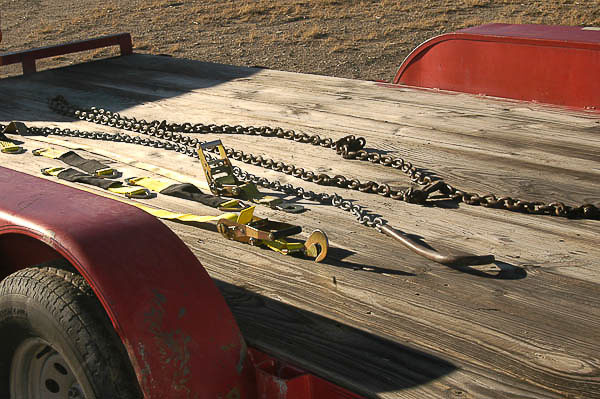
(40, 372)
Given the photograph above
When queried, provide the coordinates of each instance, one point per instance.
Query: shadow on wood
(350, 357)
(96, 83)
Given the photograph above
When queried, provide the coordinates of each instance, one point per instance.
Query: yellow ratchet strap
(156, 212)
(158, 184)
(283, 246)
(49, 152)
(181, 178)
(152, 183)
(56, 154)
(184, 217)
(251, 193)
(8, 147)
(279, 245)
(231, 204)
(117, 188)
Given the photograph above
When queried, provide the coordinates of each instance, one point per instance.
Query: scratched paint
(234, 394)
(282, 385)
(172, 345)
(243, 352)
(227, 348)
(145, 372)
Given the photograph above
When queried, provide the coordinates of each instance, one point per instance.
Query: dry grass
(351, 38)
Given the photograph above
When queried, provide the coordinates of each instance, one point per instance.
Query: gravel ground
(354, 39)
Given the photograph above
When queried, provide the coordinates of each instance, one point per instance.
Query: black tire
(55, 307)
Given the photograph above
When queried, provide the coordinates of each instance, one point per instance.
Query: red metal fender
(549, 64)
(180, 335)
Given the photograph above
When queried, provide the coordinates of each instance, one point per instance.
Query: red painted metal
(27, 58)
(30, 252)
(549, 64)
(180, 335)
(278, 380)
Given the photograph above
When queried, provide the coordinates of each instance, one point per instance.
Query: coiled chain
(361, 214)
(349, 147)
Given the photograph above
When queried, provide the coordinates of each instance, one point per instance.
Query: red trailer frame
(548, 64)
(178, 330)
(167, 311)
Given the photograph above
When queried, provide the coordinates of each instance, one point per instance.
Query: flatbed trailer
(374, 317)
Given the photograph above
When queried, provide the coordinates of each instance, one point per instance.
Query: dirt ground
(364, 39)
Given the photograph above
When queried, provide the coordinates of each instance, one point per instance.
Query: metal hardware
(49, 171)
(346, 147)
(361, 214)
(258, 229)
(107, 173)
(8, 147)
(222, 180)
(141, 194)
(289, 207)
(349, 147)
(255, 231)
(218, 171)
(27, 58)
(431, 254)
(240, 207)
(317, 245)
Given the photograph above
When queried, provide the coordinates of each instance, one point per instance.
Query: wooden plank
(518, 158)
(375, 317)
(383, 313)
(164, 70)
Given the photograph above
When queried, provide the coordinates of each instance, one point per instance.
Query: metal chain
(349, 147)
(362, 215)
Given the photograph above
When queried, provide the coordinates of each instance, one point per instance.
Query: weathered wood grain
(375, 317)
(516, 159)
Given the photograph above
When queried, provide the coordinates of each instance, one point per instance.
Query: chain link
(361, 214)
(349, 147)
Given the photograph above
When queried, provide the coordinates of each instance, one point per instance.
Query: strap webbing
(88, 165)
(8, 147)
(129, 161)
(182, 190)
(154, 184)
(190, 192)
(279, 245)
(161, 213)
(76, 176)
(177, 177)
(283, 246)
(73, 159)
(184, 217)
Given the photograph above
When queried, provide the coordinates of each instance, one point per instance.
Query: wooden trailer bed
(374, 317)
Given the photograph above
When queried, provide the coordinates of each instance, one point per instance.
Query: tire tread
(72, 303)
